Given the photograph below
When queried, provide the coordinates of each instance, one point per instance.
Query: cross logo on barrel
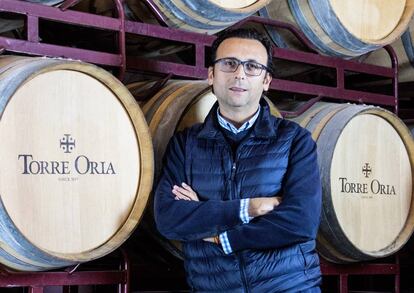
(366, 170)
(67, 143)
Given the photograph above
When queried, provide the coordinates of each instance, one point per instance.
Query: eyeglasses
(231, 64)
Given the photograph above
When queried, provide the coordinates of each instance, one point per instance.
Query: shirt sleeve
(297, 218)
(188, 220)
(225, 244)
(244, 211)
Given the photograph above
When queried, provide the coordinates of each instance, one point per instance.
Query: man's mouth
(237, 89)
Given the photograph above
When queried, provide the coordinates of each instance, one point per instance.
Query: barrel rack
(120, 62)
(343, 272)
(71, 276)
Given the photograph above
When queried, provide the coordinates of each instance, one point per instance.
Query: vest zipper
(234, 192)
(233, 171)
(243, 273)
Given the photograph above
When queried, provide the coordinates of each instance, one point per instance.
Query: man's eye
(230, 63)
(252, 66)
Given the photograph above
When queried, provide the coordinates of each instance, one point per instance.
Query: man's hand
(260, 206)
(184, 192)
(209, 239)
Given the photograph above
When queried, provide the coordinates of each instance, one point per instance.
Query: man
(242, 190)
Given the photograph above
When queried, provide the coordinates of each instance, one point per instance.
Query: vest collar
(262, 128)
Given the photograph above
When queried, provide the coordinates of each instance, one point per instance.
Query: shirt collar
(230, 127)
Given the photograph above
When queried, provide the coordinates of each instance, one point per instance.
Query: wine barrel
(209, 16)
(76, 164)
(179, 104)
(344, 29)
(366, 159)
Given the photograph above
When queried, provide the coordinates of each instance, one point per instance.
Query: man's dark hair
(244, 33)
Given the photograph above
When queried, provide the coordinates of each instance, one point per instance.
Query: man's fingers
(179, 195)
(189, 193)
(187, 187)
(183, 191)
(209, 239)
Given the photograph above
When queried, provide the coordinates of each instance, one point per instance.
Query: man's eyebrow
(249, 60)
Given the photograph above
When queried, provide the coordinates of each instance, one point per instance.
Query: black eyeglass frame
(239, 62)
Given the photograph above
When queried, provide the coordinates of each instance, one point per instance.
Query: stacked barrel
(366, 159)
(345, 29)
(209, 16)
(76, 163)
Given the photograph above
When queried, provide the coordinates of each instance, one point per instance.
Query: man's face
(236, 91)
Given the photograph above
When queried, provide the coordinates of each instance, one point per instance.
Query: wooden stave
(47, 260)
(332, 131)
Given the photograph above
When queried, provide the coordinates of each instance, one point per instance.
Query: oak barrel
(344, 29)
(366, 159)
(76, 164)
(208, 16)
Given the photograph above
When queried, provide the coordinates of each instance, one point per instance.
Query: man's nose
(239, 73)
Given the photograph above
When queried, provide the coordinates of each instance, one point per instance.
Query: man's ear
(266, 81)
(210, 75)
